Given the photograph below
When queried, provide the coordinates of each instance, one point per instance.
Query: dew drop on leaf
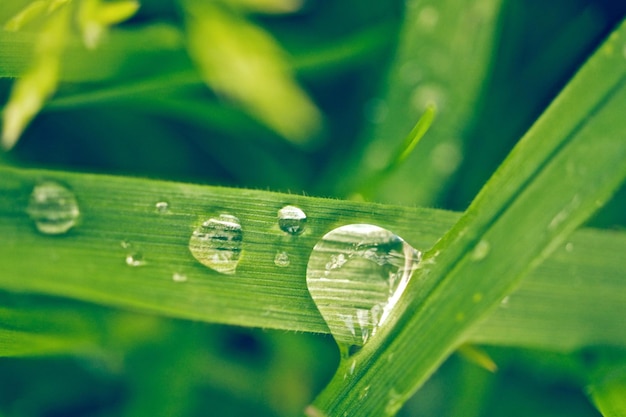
(178, 277)
(217, 243)
(355, 275)
(135, 259)
(282, 259)
(162, 207)
(53, 208)
(481, 250)
(292, 220)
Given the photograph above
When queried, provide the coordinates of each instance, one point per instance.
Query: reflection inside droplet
(217, 243)
(178, 277)
(355, 275)
(135, 259)
(282, 259)
(292, 220)
(162, 207)
(53, 208)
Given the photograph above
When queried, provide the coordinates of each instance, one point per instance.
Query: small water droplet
(292, 220)
(394, 403)
(135, 259)
(505, 301)
(282, 259)
(178, 277)
(53, 208)
(312, 411)
(481, 250)
(351, 369)
(364, 392)
(564, 214)
(355, 275)
(217, 243)
(569, 247)
(162, 207)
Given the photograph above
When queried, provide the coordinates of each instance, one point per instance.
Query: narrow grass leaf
(39, 82)
(26, 15)
(576, 298)
(267, 6)
(402, 153)
(245, 64)
(566, 166)
(95, 16)
(572, 300)
(443, 58)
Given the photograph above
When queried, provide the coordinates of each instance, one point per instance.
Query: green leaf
(127, 54)
(568, 302)
(39, 82)
(566, 166)
(89, 263)
(41, 326)
(42, 71)
(26, 15)
(95, 17)
(443, 59)
(245, 64)
(608, 384)
(267, 6)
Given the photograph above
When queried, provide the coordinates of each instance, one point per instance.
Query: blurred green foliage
(326, 113)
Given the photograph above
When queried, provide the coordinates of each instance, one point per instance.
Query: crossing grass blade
(568, 164)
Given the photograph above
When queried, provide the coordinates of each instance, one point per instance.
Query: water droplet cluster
(355, 274)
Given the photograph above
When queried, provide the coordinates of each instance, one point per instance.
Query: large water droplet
(53, 208)
(355, 275)
(292, 220)
(217, 242)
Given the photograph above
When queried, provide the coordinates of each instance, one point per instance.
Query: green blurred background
(154, 117)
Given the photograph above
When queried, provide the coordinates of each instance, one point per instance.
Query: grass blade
(566, 166)
(437, 64)
(88, 264)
